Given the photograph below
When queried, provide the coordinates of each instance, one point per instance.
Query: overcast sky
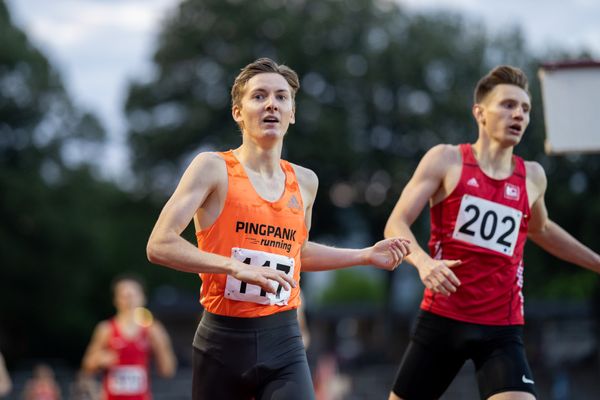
(98, 45)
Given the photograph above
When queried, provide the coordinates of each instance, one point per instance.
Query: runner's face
(267, 108)
(128, 295)
(504, 114)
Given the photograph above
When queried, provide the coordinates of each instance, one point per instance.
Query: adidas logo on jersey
(473, 182)
(293, 203)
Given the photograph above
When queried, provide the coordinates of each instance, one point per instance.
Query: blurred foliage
(353, 286)
(64, 234)
(379, 88)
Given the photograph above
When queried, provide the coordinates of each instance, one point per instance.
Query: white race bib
(127, 380)
(242, 291)
(487, 224)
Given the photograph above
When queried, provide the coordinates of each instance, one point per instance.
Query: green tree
(39, 126)
(64, 234)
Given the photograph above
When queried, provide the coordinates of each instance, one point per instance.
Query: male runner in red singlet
(484, 202)
(252, 213)
(123, 346)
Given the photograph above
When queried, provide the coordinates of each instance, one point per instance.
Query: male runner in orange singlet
(252, 213)
(484, 202)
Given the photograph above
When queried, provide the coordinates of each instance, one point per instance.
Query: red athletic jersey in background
(128, 379)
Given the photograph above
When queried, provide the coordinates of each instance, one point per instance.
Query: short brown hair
(503, 74)
(262, 65)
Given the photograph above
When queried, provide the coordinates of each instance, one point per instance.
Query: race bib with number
(242, 291)
(127, 380)
(487, 224)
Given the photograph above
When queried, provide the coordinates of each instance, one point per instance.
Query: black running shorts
(440, 346)
(250, 358)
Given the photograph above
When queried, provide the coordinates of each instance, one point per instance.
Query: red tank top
(483, 222)
(128, 379)
(257, 232)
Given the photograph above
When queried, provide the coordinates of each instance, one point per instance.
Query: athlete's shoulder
(307, 178)
(103, 328)
(105, 324)
(443, 153)
(535, 173)
(208, 159)
(534, 168)
(442, 157)
(156, 329)
(208, 165)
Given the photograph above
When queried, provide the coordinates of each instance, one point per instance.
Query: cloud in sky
(79, 23)
(550, 24)
(97, 45)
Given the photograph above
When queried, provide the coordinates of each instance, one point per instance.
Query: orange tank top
(257, 232)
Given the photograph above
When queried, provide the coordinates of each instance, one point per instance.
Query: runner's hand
(261, 276)
(107, 358)
(438, 277)
(389, 253)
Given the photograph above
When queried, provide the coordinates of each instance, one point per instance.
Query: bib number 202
(487, 224)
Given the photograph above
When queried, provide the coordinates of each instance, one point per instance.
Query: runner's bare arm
(167, 247)
(423, 185)
(385, 254)
(5, 381)
(166, 364)
(309, 184)
(97, 356)
(549, 235)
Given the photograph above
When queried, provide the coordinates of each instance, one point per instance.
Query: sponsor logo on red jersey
(511, 191)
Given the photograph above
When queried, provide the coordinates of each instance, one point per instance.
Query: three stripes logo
(293, 203)
(473, 182)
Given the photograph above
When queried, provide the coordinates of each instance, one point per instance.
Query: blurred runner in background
(123, 346)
